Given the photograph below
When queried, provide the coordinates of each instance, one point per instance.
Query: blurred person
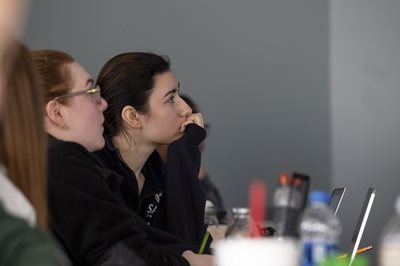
(22, 140)
(23, 179)
(212, 192)
(86, 207)
(12, 16)
(145, 111)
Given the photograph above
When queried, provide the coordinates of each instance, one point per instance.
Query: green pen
(203, 243)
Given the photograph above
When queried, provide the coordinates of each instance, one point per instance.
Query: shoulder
(59, 148)
(67, 155)
(24, 245)
(71, 163)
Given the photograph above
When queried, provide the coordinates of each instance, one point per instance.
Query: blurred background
(309, 86)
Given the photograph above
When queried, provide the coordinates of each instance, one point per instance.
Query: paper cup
(258, 252)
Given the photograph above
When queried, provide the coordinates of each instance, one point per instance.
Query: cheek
(166, 121)
(94, 118)
(172, 122)
(88, 120)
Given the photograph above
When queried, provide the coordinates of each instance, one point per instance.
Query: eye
(171, 98)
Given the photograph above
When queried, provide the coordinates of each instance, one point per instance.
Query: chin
(102, 143)
(99, 145)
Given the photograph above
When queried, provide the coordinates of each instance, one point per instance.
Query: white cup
(258, 252)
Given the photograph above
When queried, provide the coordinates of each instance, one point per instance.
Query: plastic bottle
(210, 219)
(239, 228)
(287, 204)
(319, 230)
(389, 250)
(210, 214)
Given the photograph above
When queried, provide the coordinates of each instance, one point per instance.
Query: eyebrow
(172, 91)
(90, 81)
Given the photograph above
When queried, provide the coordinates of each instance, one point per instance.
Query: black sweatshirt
(172, 198)
(91, 219)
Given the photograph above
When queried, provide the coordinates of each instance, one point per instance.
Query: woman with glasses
(86, 211)
(144, 112)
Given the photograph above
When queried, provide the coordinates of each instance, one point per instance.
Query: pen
(360, 250)
(203, 243)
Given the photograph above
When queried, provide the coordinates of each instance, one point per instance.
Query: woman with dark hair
(144, 112)
(87, 211)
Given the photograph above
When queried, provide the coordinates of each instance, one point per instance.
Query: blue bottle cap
(319, 196)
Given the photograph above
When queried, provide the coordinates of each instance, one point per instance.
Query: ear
(55, 113)
(131, 117)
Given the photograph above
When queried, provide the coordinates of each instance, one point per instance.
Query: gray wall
(365, 94)
(258, 70)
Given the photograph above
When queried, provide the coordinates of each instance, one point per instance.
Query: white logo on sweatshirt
(157, 196)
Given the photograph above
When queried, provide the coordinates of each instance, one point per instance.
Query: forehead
(79, 76)
(164, 83)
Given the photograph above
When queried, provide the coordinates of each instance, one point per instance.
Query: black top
(172, 198)
(90, 218)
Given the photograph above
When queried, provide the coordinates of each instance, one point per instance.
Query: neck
(134, 153)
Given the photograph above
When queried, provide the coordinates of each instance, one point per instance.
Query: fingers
(199, 260)
(196, 118)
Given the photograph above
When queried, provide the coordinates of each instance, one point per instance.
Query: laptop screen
(361, 223)
(336, 199)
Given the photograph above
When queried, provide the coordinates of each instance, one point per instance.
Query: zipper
(141, 199)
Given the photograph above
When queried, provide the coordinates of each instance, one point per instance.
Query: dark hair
(128, 79)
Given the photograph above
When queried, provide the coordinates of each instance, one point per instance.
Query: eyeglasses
(94, 94)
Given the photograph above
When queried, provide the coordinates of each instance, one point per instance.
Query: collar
(152, 169)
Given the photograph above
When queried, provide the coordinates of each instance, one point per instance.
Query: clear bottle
(319, 230)
(210, 214)
(389, 250)
(287, 203)
(239, 228)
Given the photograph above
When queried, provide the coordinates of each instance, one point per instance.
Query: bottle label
(315, 252)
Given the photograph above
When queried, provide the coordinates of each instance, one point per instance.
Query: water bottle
(239, 228)
(211, 220)
(210, 214)
(287, 204)
(319, 230)
(389, 250)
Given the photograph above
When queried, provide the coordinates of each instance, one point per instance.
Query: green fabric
(22, 245)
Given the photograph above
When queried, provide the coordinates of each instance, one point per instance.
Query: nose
(185, 109)
(103, 104)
